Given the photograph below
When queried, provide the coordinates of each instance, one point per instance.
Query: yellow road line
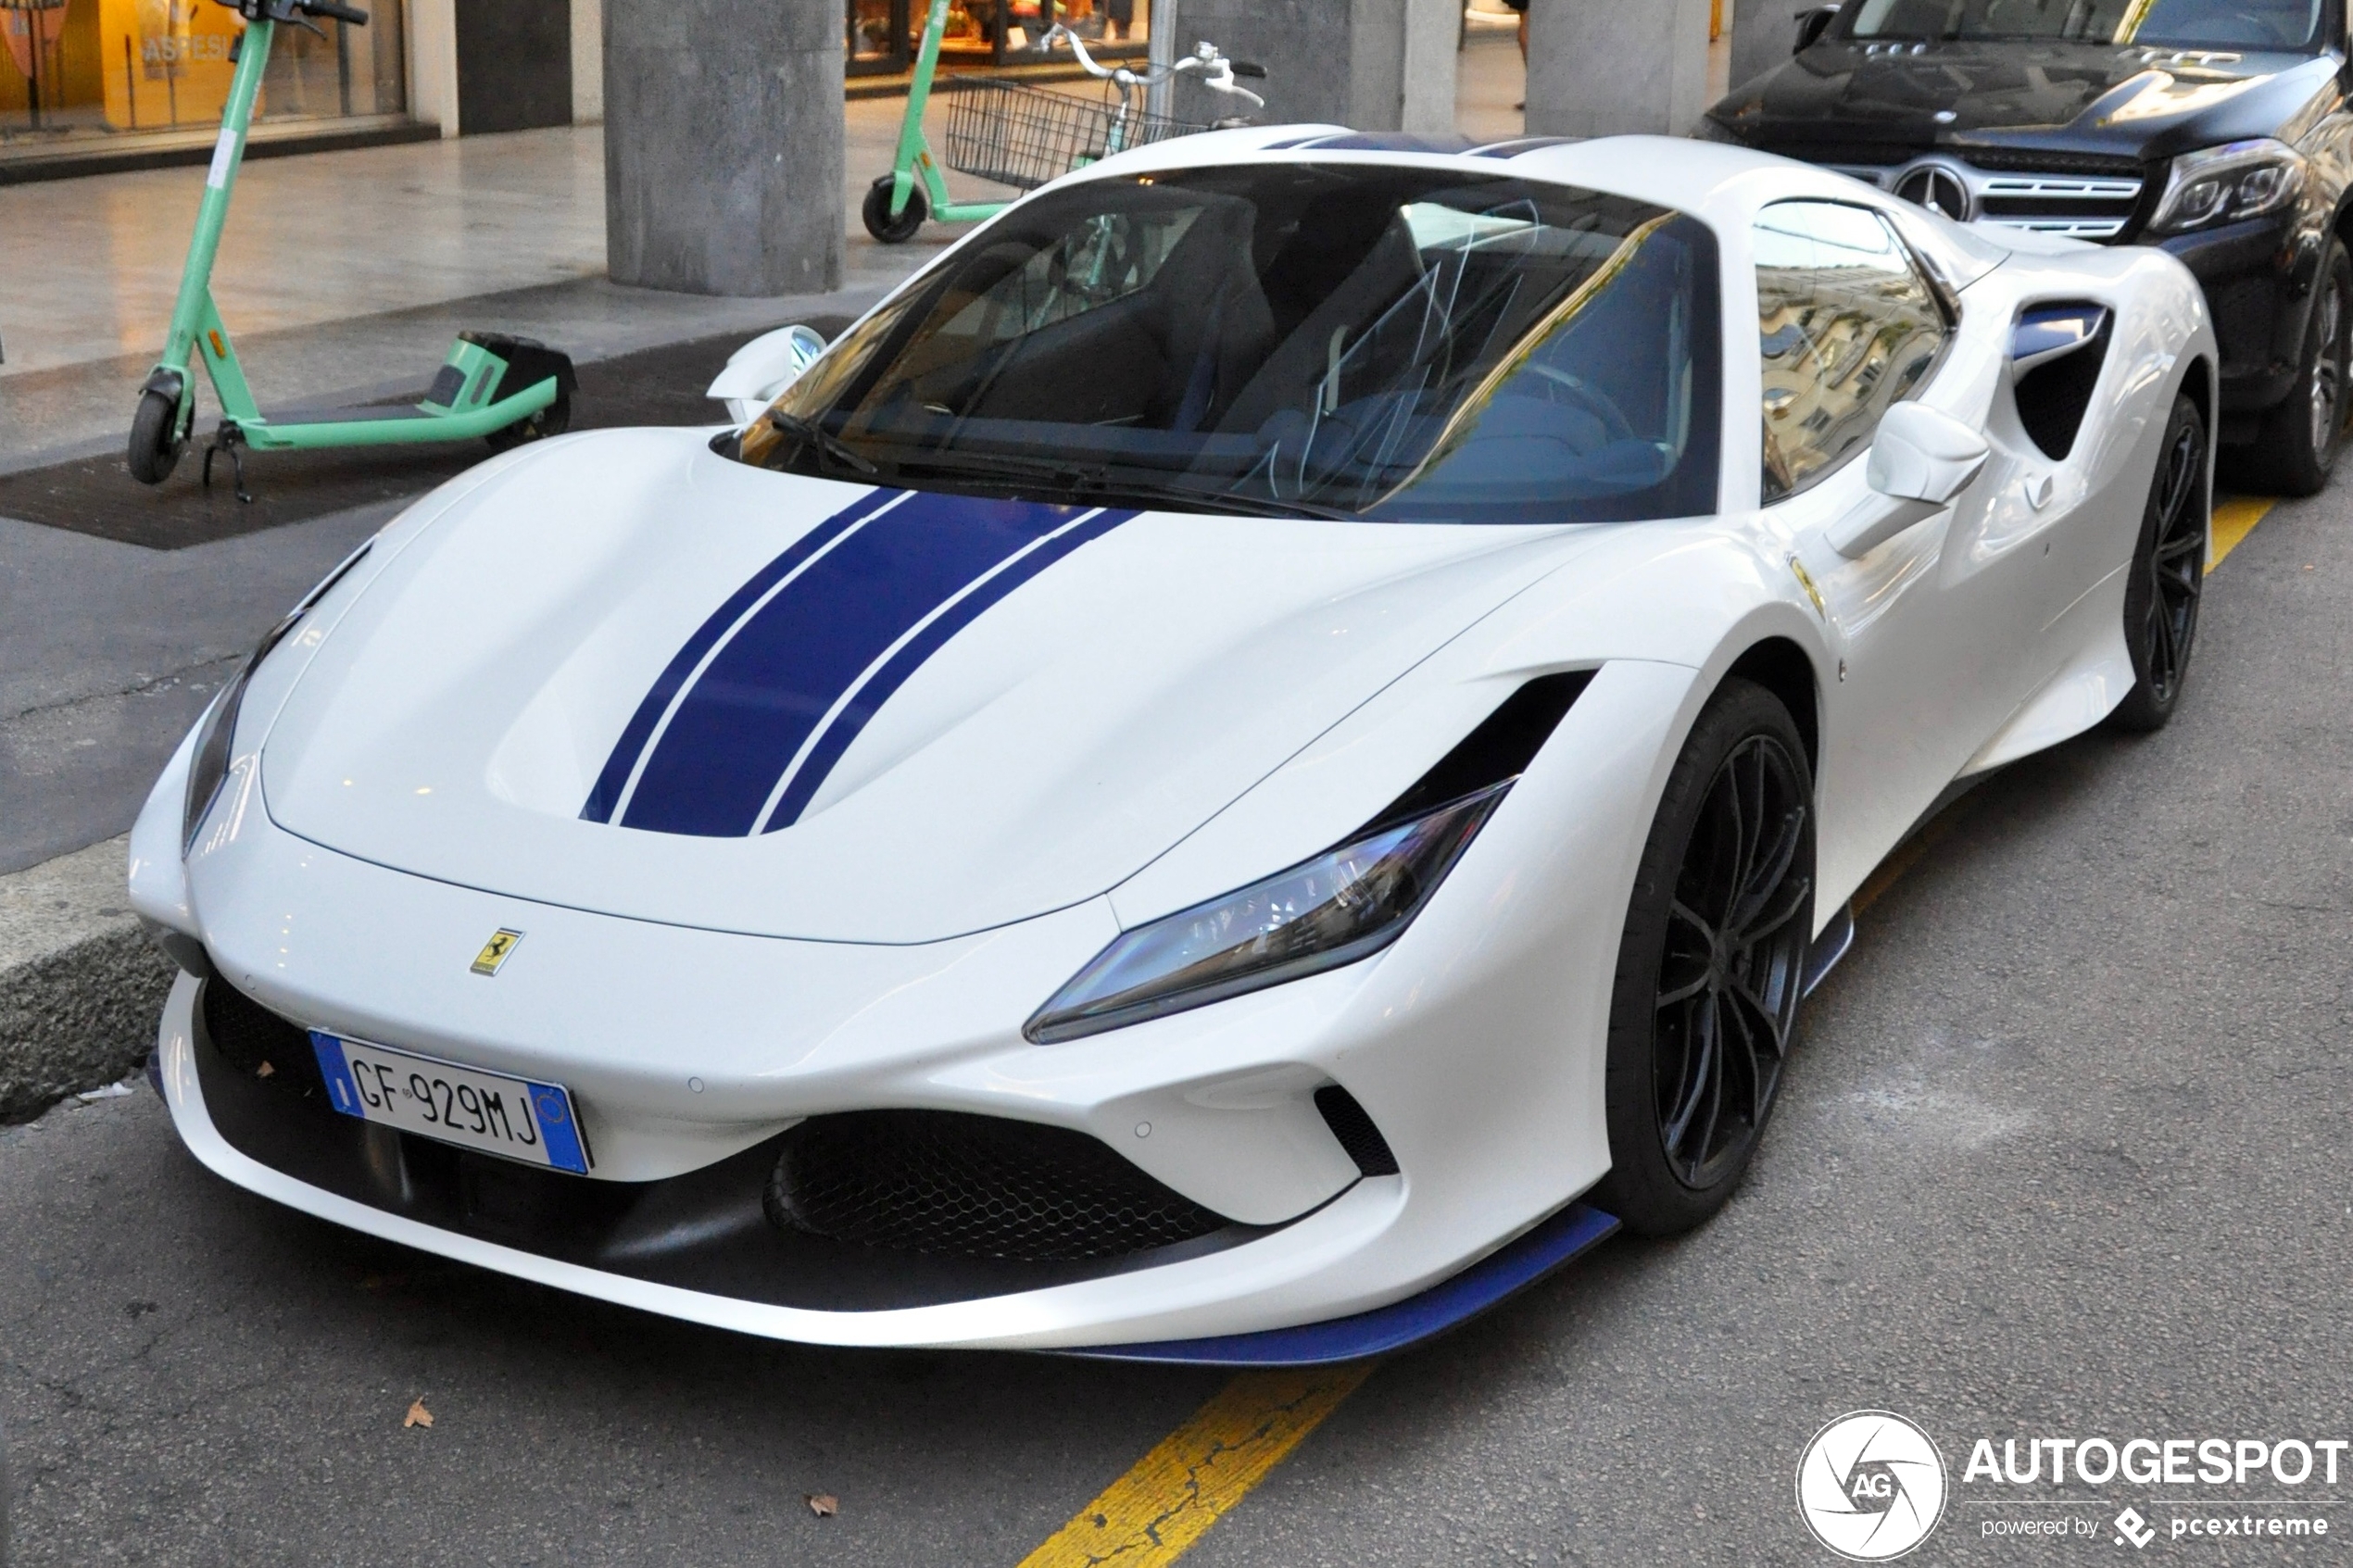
(1155, 1512)
(2233, 521)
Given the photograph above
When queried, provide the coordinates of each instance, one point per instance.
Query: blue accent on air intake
(1575, 1230)
(775, 673)
(641, 728)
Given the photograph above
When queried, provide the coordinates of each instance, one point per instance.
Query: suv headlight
(2223, 184)
(1345, 904)
(217, 733)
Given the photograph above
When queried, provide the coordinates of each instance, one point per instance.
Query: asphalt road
(2064, 1154)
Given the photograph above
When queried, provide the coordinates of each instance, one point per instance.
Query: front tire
(1711, 965)
(2300, 438)
(875, 210)
(156, 442)
(2168, 575)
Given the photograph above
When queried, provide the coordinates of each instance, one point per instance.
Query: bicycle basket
(1022, 136)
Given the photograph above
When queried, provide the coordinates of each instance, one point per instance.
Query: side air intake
(2056, 355)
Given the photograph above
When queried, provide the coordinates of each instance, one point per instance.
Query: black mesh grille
(1353, 1125)
(250, 1038)
(2022, 161)
(979, 1186)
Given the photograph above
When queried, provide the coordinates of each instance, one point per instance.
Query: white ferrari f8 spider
(1262, 752)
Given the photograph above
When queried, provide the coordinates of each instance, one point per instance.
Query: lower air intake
(255, 1040)
(977, 1186)
(1353, 1125)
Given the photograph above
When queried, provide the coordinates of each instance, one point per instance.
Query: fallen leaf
(265, 1071)
(824, 1505)
(418, 1416)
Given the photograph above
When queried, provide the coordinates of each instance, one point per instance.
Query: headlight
(1345, 904)
(216, 736)
(2222, 184)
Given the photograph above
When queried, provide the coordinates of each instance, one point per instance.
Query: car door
(1938, 627)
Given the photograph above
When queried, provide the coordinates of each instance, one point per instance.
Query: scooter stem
(190, 311)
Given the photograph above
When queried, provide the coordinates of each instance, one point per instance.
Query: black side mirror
(1812, 24)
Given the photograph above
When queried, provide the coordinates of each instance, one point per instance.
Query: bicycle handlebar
(299, 12)
(1218, 72)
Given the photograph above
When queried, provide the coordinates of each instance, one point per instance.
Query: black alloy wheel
(2298, 447)
(2168, 574)
(1711, 966)
(156, 441)
(875, 210)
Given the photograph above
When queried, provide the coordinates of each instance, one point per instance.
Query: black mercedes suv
(2219, 130)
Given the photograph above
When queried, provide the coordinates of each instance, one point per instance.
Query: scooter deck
(394, 424)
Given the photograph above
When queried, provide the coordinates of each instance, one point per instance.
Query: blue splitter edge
(1575, 1230)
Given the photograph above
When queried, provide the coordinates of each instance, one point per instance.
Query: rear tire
(156, 442)
(875, 210)
(1710, 966)
(2300, 438)
(554, 419)
(2168, 574)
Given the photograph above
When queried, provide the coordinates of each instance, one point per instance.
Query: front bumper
(1474, 1043)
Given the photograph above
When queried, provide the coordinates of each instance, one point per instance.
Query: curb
(81, 985)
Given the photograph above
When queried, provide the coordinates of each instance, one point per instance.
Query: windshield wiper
(808, 433)
(1100, 486)
(1223, 500)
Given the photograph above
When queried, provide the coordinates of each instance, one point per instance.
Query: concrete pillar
(724, 145)
(1606, 67)
(1371, 65)
(587, 61)
(1762, 33)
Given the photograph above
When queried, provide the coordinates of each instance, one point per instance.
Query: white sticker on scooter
(224, 153)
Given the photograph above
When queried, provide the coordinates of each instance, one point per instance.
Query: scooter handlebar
(342, 13)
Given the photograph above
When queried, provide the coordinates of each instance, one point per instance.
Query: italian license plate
(514, 1117)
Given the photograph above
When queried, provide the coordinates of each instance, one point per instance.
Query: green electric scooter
(507, 390)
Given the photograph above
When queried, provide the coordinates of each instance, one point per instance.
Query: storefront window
(885, 34)
(100, 65)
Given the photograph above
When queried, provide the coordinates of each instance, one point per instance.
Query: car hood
(626, 674)
(1843, 102)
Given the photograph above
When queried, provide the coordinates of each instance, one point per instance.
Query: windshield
(1355, 341)
(2197, 24)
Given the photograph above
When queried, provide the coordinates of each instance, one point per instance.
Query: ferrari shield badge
(493, 952)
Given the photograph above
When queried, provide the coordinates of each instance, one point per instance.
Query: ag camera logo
(1870, 1486)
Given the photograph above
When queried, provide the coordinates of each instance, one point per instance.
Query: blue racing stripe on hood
(613, 782)
(875, 688)
(758, 693)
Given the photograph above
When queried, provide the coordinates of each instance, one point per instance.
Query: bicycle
(1013, 134)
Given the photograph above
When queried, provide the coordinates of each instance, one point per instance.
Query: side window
(1847, 325)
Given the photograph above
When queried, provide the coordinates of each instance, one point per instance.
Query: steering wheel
(1584, 395)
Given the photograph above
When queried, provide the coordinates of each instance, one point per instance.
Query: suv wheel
(2300, 438)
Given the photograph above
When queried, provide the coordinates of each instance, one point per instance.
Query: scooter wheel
(876, 212)
(156, 442)
(554, 419)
